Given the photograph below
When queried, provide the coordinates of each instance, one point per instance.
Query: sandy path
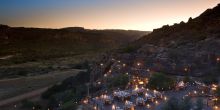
(41, 83)
(23, 96)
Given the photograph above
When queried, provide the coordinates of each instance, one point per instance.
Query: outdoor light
(185, 69)
(141, 82)
(165, 98)
(113, 107)
(95, 108)
(101, 64)
(99, 82)
(85, 101)
(148, 105)
(105, 75)
(147, 95)
(195, 92)
(218, 59)
(214, 87)
(136, 88)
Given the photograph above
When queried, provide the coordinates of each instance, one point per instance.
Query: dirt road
(17, 89)
(23, 96)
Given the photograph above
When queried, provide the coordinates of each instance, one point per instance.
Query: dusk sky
(100, 14)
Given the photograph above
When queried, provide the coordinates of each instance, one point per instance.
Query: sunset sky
(100, 14)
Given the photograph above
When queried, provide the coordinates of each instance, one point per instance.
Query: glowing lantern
(148, 105)
(141, 82)
(185, 69)
(95, 108)
(165, 98)
(124, 65)
(218, 59)
(113, 107)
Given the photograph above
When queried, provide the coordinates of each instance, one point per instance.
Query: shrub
(160, 81)
(210, 78)
(29, 105)
(118, 81)
(129, 49)
(69, 106)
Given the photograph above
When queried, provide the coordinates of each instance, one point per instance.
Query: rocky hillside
(205, 26)
(194, 45)
(191, 48)
(27, 44)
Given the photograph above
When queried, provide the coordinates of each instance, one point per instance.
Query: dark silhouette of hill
(195, 45)
(37, 43)
(202, 27)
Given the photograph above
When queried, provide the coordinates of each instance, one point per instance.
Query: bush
(160, 81)
(29, 105)
(217, 92)
(70, 83)
(69, 106)
(210, 78)
(129, 49)
(118, 81)
(71, 89)
(186, 79)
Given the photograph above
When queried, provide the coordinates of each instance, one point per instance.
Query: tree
(118, 81)
(160, 81)
(186, 79)
(217, 92)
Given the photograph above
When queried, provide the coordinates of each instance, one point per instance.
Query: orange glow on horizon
(139, 16)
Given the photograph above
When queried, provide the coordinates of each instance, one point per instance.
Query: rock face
(192, 47)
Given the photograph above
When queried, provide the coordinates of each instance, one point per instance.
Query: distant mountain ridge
(204, 26)
(194, 45)
(191, 48)
(40, 42)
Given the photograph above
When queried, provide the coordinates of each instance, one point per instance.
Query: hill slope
(28, 44)
(194, 45)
